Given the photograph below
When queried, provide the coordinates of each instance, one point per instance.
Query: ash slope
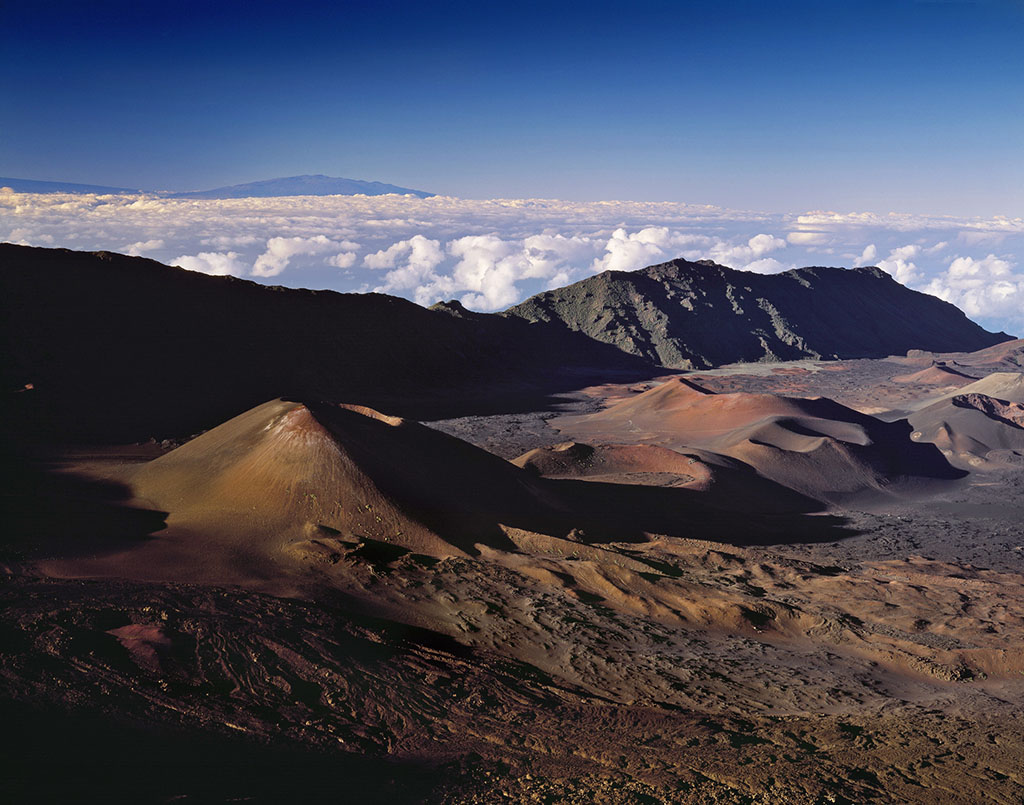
(541, 668)
(666, 669)
(977, 426)
(688, 315)
(814, 446)
(257, 498)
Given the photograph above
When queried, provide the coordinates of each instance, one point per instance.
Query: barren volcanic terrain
(796, 582)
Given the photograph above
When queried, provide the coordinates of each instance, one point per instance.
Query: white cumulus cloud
(899, 263)
(217, 263)
(766, 265)
(417, 250)
(412, 263)
(281, 250)
(343, 260)
(985, 287)
(488, 267)
(868, 256)
(140, 247)
(627, 251)
(808, 238)
(557, 258)
(743, 255)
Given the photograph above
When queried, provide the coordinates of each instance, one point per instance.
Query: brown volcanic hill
(1001, 385)
(267, 496)
(698, 315)
(814, 446)
(1008, 386)
(286, 471)
(243, 497)
(1008, 355)
(575, 460)
(980, 425)
(1011, 412)
(124, 348)
(720, 479)
(938, 374)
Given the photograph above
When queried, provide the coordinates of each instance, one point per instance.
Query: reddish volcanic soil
(737, 586)
(936, 375)
(814, 446)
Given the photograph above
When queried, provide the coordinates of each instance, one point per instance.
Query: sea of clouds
(492, 253)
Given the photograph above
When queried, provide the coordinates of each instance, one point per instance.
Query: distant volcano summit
(316, 185)
(687, 315)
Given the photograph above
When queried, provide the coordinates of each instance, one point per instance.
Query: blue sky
(901, 105)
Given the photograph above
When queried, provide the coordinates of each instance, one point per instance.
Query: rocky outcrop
(688, 315)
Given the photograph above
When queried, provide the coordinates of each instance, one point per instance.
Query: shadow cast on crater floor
(45, 512)
(609, 512)
(104, 760)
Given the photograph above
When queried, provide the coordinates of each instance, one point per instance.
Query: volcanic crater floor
(881, 660)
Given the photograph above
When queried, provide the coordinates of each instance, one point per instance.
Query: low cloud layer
(490, 254)
(989, 288)
(280, 252)
(217, 263)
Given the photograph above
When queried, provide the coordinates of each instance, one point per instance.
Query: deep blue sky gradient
(895, 105)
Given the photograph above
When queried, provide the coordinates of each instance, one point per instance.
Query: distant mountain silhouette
(36, 186)
(318, 185)
(689, 315)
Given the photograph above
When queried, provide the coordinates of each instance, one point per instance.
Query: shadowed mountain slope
(699, 315)
(125, 348)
